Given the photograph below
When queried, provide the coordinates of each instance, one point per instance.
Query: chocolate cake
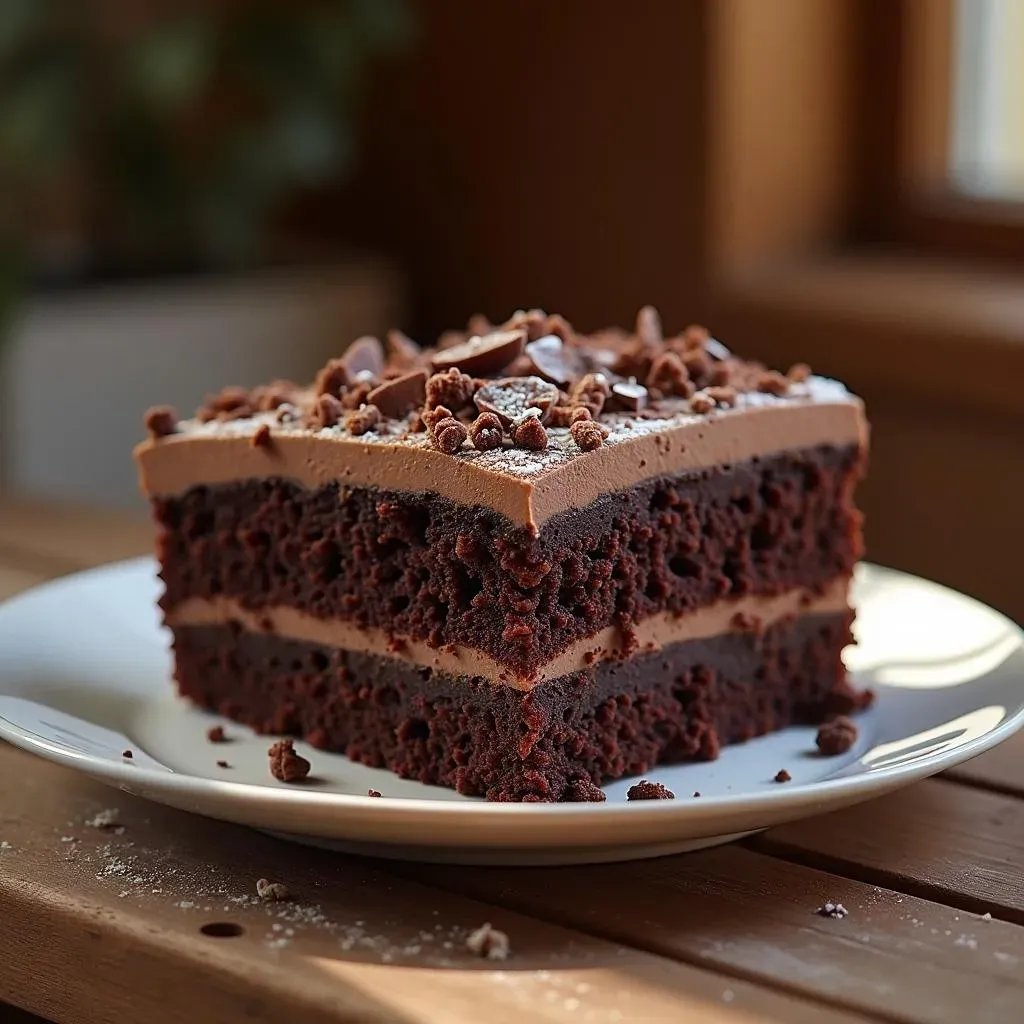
(519, 563)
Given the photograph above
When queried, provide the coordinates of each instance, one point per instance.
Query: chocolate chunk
(160, 421)
(357, 394)
(452, 389)
(722, 394)
(555, 361)
(645, 790)
(327, 411)
(482, 356)
(363, 420)
(702, 403)
(588, 434)
(627, 394)
(773, 383)
(262, 438)
(485, 432)
(365, 354)
(403, 352)
(332, 379)
(285, 764)
(448, 435)
(670, 376)
(528, 431)
(397, 396)
(532, 321)
(510, 397)
(232, 403)
(269, 397)
(836, 736)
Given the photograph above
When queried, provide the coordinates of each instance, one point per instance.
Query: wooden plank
(13, 580)
(895, 956)
(1000, 770)
(101, 926)
(73, 537)
(959, 845)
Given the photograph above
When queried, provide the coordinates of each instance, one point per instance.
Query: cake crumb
(836, 736)
(272, 892)
(489, 943)
(216, 734)
(986, 917)
(285, 764)
(373, 792)
(223, 764)
(696, 792)
(103, 819)
(4, 845)
(645, 790)
(127, 755)
(830, 909)
(782, 776)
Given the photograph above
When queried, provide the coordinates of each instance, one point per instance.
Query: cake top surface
(524, 403)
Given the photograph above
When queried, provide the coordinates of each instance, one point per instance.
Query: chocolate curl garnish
(482, 356)
(555, 361)
(364, 355)
(398, 396)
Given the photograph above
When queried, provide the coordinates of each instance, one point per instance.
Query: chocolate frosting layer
(658, 631)
(527, 487)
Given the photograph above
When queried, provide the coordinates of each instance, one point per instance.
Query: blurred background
(201, 192)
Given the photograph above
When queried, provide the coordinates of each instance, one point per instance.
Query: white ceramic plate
(85, 673)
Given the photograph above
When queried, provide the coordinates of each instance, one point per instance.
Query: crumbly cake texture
(556, 742)
(524, 561)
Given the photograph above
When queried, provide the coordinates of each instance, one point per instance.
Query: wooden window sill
(930, 331)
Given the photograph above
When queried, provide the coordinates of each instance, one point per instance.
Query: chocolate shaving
(511, 397)
(397, 396)
(555, 361)
(365, 354)
(482, 356)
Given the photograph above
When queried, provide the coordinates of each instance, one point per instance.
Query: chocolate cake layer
(751, 613)
(420, 566)
(555, 742)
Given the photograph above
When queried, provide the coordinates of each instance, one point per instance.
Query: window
(987, 150)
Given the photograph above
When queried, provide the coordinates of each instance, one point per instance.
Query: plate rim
(123, 775)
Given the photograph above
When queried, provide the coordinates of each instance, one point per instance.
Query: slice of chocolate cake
(519, 563)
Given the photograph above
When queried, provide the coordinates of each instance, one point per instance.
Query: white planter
(80, 369)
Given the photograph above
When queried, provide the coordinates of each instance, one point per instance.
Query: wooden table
(157, 920)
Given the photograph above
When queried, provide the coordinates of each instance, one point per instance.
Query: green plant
(177, 135)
